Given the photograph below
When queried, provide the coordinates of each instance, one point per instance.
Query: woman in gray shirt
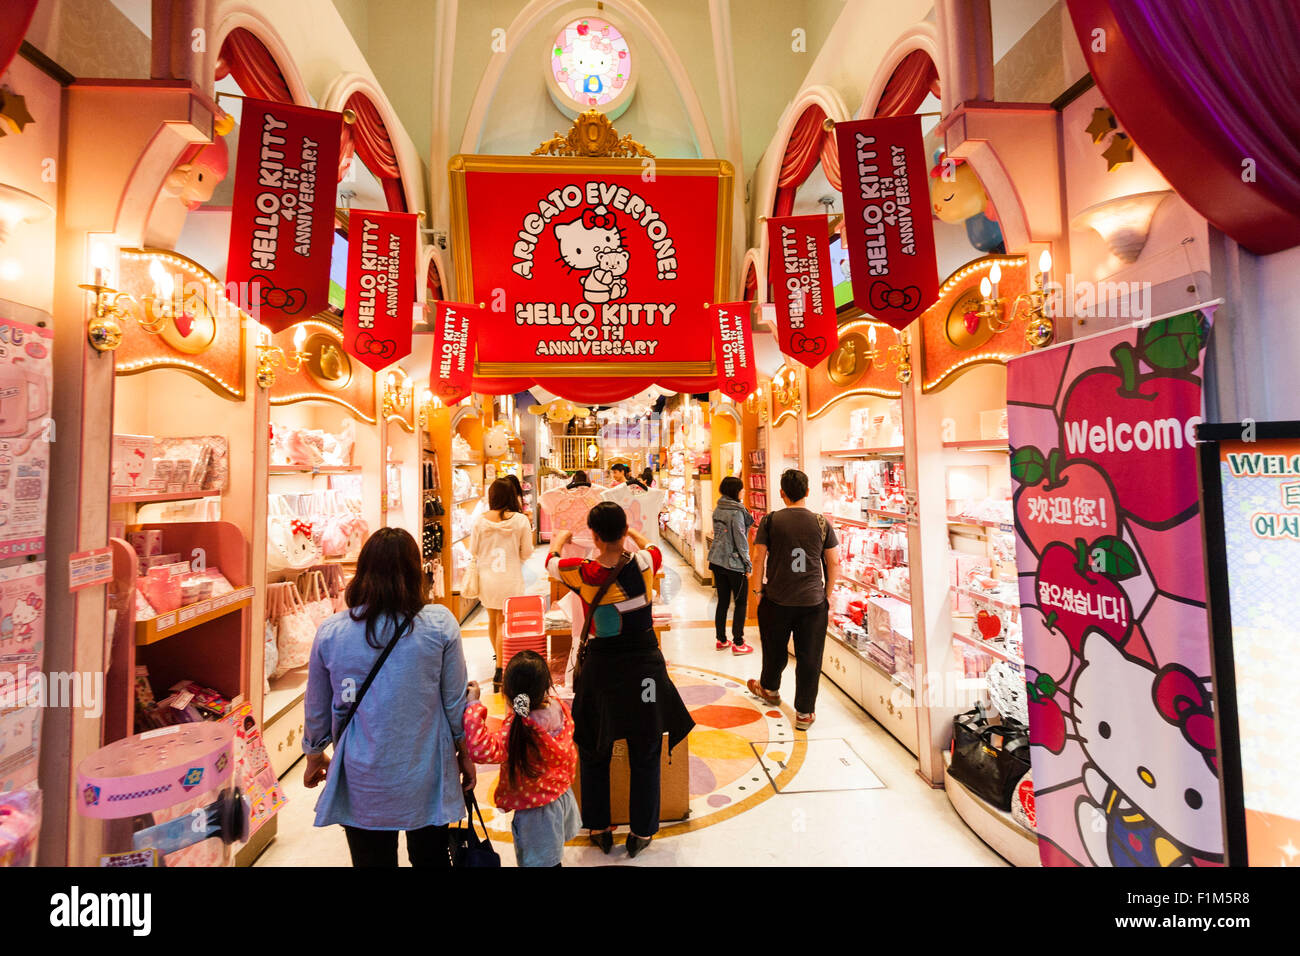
(401, 762)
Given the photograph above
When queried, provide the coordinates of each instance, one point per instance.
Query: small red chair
(524, 627)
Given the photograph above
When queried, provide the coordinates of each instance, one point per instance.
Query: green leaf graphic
(1028, 466)
(1113, 557)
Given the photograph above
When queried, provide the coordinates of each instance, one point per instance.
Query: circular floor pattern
(726, 777)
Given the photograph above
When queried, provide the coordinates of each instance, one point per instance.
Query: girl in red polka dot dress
(538, 759)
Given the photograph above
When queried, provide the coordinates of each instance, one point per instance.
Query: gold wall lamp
(397, 401)
(1030, 306)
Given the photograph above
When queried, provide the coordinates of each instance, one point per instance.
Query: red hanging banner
(282, 214)
(381, 286)
(888, 231)
(455, 325)
(734, 349)
(799, 268)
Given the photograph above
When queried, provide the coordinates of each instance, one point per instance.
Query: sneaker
(722, 645)
(754, 688)
(742, 648)
(804, 721)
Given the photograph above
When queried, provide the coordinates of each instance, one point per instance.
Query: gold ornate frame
(461, 164)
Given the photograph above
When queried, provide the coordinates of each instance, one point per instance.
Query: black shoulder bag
(591, 612)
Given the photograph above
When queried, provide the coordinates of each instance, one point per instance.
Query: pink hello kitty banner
(1112, 592)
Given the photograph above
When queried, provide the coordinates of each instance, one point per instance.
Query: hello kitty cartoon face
(582, 239)
(1129, 724)
(590, 64)
(24, 616)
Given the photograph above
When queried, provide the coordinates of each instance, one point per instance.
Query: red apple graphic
(1065, 571)
(1046, 721)
(1156, 486)
(1044, 480)
(990, 625)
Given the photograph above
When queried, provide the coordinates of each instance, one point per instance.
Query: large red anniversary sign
(282, 213)
(888, 232)
(381, 286)
(799, 268)
(592, 267)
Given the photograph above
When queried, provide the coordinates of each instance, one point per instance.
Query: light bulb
(871, 335)
(986, 288)
(163, 282)
(300, 337)
(995, 275)
(1045, 262)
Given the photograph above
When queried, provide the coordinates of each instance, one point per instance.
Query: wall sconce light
(18, 207)
(111, 308)
(397, 397)
(1123, 222)
(880, 359)
(1030, 306)
(268, 356)
(756, 404)
(785, 387)
(428, 402)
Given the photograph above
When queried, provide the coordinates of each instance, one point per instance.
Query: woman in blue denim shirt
(401, 763)
(729, 561)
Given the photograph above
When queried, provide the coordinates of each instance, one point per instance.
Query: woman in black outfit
(622, 662)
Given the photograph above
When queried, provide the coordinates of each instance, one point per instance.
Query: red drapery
(1207, 89)
(13, 27)
(368, 138)
(913, 78)
(809, 144)
(596, 391)
(751, 283)
(247, 59)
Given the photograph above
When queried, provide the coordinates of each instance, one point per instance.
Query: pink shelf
(976, 444)
(884, 452)
(986, 647)
(322, 470)
(165, 496)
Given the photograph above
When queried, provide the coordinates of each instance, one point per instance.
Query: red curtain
(1207, 89)
(751, 283)
(596, 391)
(913, 78)
(13, 27)
(368, 138)
(247, 59)
(802, 153)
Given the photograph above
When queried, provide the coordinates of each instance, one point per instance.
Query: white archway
(832, 104)
(408, 160)
(232, 16)
(637, 14)
(923, 37)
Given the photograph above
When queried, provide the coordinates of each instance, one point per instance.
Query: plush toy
(559, 411)
(497, 441)
(963, 199)
(194, 181)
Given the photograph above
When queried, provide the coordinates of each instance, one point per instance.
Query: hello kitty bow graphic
(593, 243)
(303, 528)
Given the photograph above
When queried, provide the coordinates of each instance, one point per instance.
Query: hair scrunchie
(523, 706)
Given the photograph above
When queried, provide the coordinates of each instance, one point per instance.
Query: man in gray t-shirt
(798, 557)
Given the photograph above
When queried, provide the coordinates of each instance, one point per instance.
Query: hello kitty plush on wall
(583, 241)
(1151, 777)
(497, 441)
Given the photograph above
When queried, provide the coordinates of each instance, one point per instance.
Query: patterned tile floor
(904, 823)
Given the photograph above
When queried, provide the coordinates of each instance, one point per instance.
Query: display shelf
(978, 523)
(989, 599)
(286, 691)
(978, 444)
(990, 649)
(890, 451)
(465, 501)
(996, 827)
(170, 623)
(165, 496)
(849, 579)
(280, 470)
(859, 523)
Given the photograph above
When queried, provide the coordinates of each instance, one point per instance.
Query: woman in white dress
(500, 542)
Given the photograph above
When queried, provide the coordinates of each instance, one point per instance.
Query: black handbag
(989, 759)
(466, 848)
